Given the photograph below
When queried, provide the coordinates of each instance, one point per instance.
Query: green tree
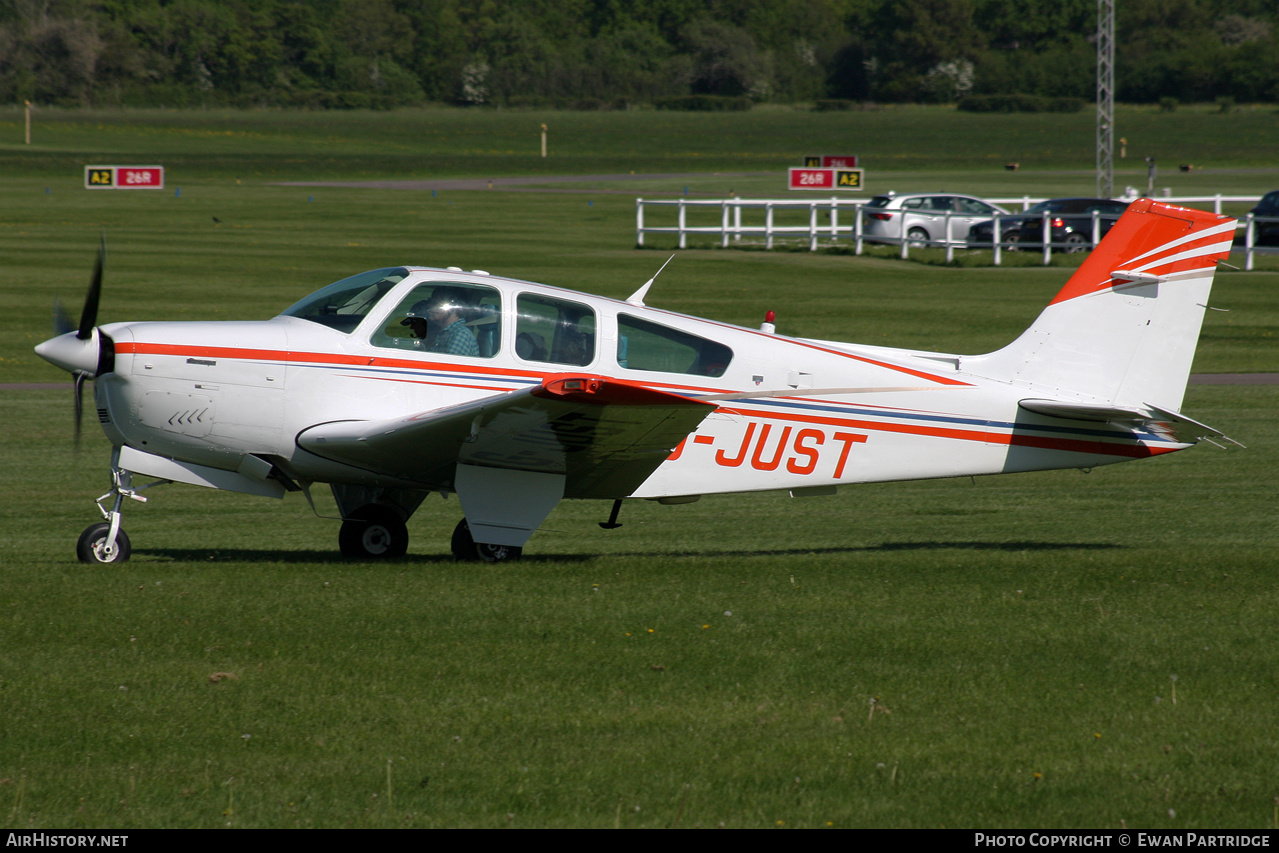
(914, 39)
(636, 64)
(49, 60)
(726, 60)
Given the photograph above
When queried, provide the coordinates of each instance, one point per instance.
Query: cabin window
(447, 318)
(642, 345)
(343, 304)
(552, 330)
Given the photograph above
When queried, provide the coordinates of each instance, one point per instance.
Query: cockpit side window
(554, 330)
(445, 317)
(343, 304)
(642, 345)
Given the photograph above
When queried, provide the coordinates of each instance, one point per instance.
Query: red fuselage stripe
(304, 358)
(1137, 451)
(284, 356)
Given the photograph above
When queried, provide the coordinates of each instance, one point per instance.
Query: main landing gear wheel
(467, 549)
(373, 533)
(92, 547)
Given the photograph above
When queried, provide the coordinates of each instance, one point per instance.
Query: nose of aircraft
(80, 351)
(72, 353)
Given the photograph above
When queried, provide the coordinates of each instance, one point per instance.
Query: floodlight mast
(1105, 98)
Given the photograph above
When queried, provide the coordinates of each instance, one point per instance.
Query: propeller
(89, 314)
(80, 376)
(61, 321)
(79, 353)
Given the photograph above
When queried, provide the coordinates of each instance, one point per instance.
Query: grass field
(1043, 650)
(483, 143)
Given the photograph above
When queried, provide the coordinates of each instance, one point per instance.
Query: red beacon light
(767, 326)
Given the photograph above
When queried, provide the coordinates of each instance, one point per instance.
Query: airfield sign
(825, 179)
(124, 177)
(830, 161)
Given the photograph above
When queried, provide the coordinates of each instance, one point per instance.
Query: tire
(466, 549)
(917, 238)
(1075, 243)
(374, 532)
(91, 547)
(1012, 241)
(498, 553)
(462, 544)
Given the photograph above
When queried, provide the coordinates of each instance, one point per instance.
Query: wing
(606, 436)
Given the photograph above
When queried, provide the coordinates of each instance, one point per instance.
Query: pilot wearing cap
(442, 316)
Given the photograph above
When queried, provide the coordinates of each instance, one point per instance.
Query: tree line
(617, 53)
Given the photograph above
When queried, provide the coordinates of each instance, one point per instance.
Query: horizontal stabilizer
(1176, 427)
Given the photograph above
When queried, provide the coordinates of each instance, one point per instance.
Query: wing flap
(606, 436)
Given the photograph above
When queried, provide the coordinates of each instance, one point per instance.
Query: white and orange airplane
(400, 382)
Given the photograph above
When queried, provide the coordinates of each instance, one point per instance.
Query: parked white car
(921, 217)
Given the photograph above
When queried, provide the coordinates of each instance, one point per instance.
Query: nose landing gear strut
(105, 541)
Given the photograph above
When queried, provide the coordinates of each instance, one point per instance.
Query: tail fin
(1123, 330)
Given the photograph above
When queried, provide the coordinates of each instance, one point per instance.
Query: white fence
(836, 219)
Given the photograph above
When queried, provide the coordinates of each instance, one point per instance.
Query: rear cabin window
(642, 345)
(555, 331)
(445, 317)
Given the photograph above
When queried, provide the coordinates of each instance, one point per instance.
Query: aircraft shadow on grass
(882, 548)
(258, 555)
(312, 557)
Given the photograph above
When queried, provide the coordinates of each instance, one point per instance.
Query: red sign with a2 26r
(124, 177)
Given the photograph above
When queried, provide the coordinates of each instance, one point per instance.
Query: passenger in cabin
(573, 346)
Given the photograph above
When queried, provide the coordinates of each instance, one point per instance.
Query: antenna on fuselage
(637, 298)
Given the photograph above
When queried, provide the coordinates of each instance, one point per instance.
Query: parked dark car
(1267, 233)
(1070, 224)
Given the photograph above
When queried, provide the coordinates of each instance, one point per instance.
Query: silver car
(920, 218)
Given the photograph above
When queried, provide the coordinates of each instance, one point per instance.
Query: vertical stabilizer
(1123, 330)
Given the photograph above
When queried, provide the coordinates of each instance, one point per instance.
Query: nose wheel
(97, 545)
(105, 542)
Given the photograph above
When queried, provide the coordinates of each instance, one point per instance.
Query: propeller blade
(61, 320)
(79, 403)
(89, 315)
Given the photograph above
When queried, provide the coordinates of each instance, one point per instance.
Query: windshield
(343, 304)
